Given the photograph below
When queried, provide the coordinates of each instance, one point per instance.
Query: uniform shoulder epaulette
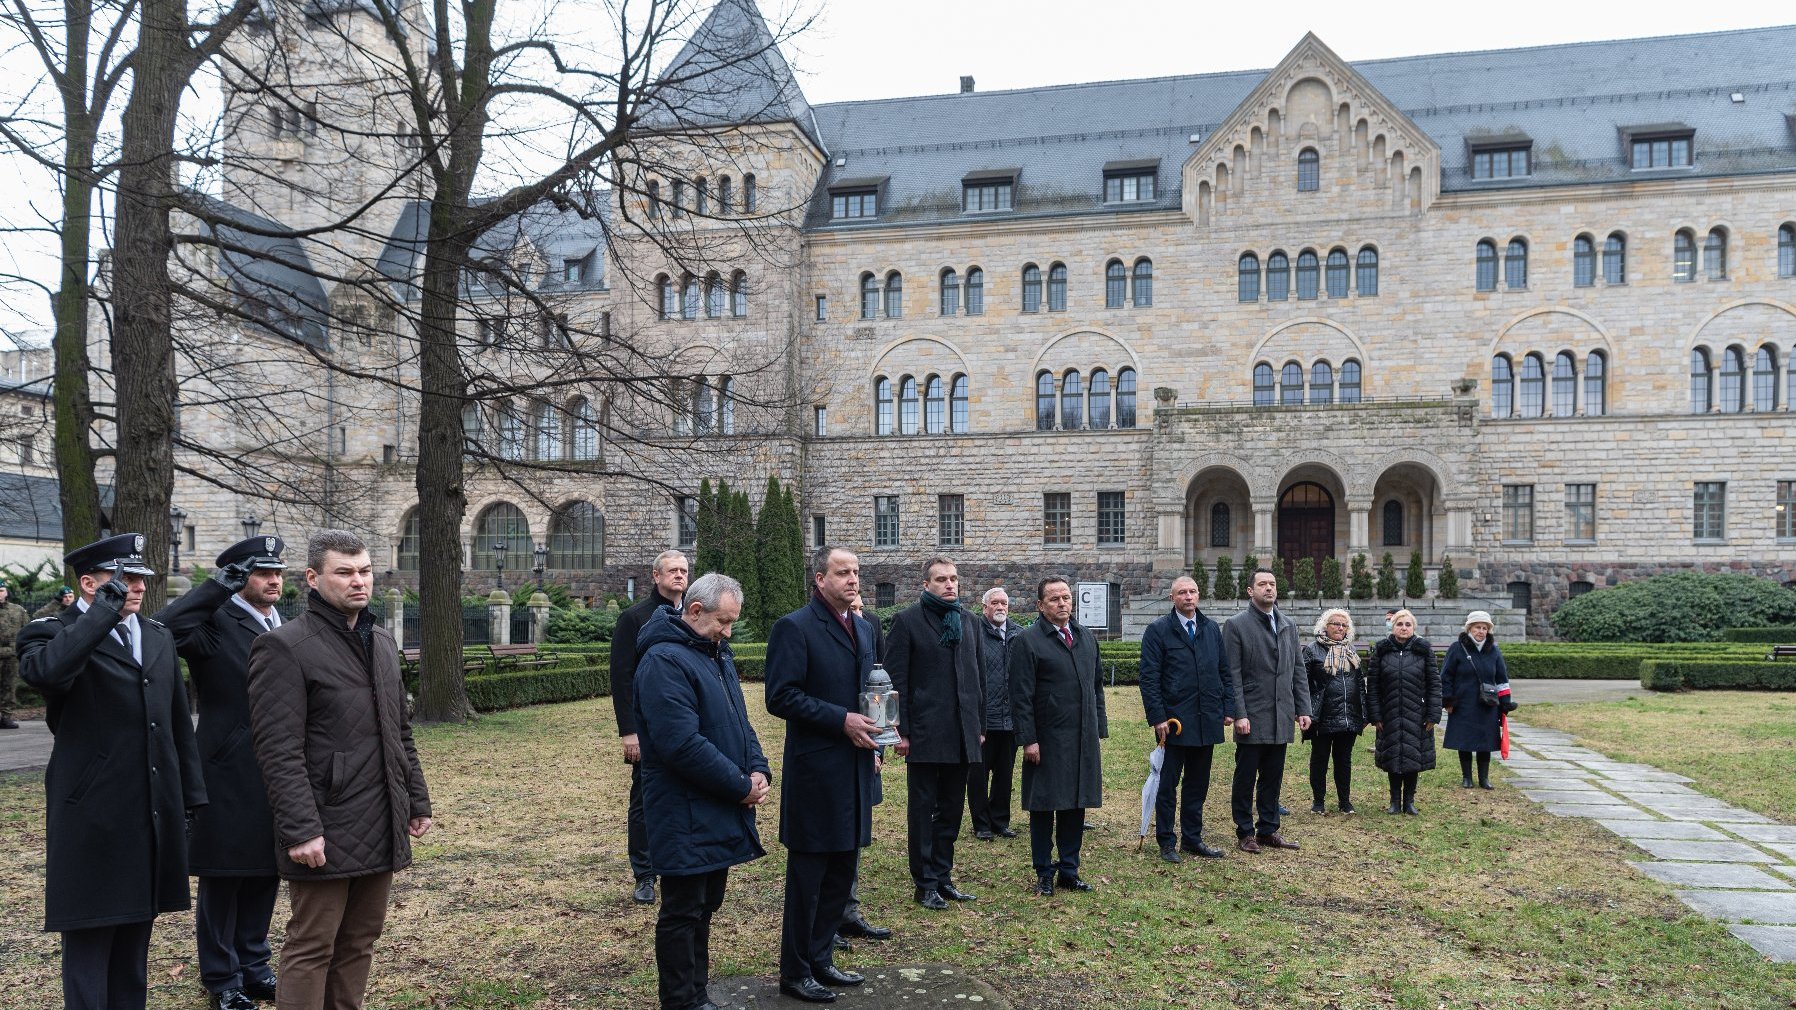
(46, 617)
(151, 620)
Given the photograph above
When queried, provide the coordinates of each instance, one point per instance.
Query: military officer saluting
(124, 774)
(232, 848)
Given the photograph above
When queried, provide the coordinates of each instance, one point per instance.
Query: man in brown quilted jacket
(342, 775)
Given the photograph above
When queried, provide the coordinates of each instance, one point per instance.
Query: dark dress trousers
(1185, 677)
(941, 699)
(124, 769)
(815, 669)
(1057, 701)
(623, 689)
(232, 845)
(1271, 691)
(988, 783)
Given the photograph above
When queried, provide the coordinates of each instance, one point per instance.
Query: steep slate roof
(731, 72)
(272, 277)
(557, 234)
(1575, 102)
(31, 510)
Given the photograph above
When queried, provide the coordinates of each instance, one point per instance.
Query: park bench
(409, 659)
(1782, 652)
(518, 656)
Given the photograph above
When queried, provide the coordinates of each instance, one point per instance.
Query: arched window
(407, 559)
(1596, 384)
(1502, 386)
(679, 198)
(975, 291)
(883, 406)
(586, 430)
(511, 433)
(1290, 384)
(1764, 379)
(724, 195)
(1683, 256)
(1565, 385)
(1733, 376)
(576, 537)
(950, 300)
(749, 197)
(1072, 401)
(1057, 287)
(1714, 254)
(1701, 374)
(1125, 398)
(1515, 265)
(1142, 280)
(1615, 259)
(1031, 288)
(689, 297)
(1099, 416)
(1247, 283)
(1116, 284)
(726, 406)
(665, 297)
(1222, 526)
(1393, 523)
(907, 406)
(1263, 386)
(503, 523)
(1309, 170)
(473, 428)
(545, 424)
(739, 295)
(713, 296)
(894, 295)
(1044, 401)
(1786, 251)
(1534, 381)
(1349, 381)
(1278, 277)
(1583, 261)
(1322, 382)
(703, 190)
(1337, 273)
(1366, 273)
(869, 296)
(957, 405)
(935, 405)
(1306, 274)
(1487, 265)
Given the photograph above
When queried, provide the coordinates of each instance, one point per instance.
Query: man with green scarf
(932, 654)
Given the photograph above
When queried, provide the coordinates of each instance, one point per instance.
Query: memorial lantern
(880, 704)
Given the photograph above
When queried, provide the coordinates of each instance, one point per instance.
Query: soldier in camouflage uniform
(12, 618)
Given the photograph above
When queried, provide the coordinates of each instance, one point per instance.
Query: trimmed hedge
(1780, 634)
(567, 682)
(1717, 675)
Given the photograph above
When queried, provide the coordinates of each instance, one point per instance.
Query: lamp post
(177, 522)
(250, 525)
(542, 562)
(499, 560)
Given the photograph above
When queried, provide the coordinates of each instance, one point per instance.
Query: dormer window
(1662, 151)
(1131, 182)
(1511, 161)
(573, 271)
(853, 204)
(987, 192)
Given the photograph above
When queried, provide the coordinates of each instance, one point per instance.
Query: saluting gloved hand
(113, 591)
(233, 576)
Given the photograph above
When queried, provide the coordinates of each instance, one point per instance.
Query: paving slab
(1759, 907)
(1613, 811)
(1545, 767)
(1781, 833)
(1688, 831)
(1550, 783)
(27, 747)
(1783, 849)
(1634, 789)
(1775, 942)
(1713, 875)
(887, 986)
(1568, 754)
(1721, 814)
(1567, 796)
(1703, 852)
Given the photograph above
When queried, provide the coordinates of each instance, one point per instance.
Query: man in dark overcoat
(1272, 692)
(854, 924)
(232, 847)
(703, 774)
(933, 657)
(988, 785)
(1057, 703)
(1189, 696)
(669, 576)
(124, 775)
(818, 657)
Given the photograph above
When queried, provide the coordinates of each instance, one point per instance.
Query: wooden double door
(1306, 526)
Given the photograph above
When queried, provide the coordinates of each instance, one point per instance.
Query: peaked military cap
(256, 552)
(124, 550)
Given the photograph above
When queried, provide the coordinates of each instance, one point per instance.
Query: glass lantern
(880, 704)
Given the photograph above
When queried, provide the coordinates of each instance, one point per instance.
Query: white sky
(860, 49)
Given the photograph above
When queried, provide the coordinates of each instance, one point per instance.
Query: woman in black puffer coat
(1336, 687)
(1403, 700)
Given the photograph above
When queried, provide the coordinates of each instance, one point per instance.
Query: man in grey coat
(1271, 693)
(988, 787)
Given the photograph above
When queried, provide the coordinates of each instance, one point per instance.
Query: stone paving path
(1731, 865)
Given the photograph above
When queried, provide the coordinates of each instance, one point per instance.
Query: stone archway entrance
(1306, 524)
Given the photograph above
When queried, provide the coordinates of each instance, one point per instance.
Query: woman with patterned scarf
(1336, 689)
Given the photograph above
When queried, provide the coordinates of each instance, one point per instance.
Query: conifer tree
(1415, 582)
(1331, 579)
(1387, 577)
(1248, 564)
(1448, 583)
(1361, 579)
(1200, 576)
(1303, 579)
(1225, 579)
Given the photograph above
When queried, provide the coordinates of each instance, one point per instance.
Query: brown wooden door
(1306, 525)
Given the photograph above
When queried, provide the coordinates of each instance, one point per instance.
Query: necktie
(1066, 635)
(1191, 629)
(268, 622)
(124, 637)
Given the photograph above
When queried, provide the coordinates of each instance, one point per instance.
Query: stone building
(1531, 310)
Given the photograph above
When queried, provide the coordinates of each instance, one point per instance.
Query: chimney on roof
(966, 84)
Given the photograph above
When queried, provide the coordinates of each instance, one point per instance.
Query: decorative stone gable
(1313, 141)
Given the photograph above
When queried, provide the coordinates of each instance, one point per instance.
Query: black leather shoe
(1465, 782)
(984, 836)
(645, 891)
(931, 899)
(1485, 784)
(1006, 832)
(1044, 885)
(1200, 849)
(6, 722)
(1410, 809)
(262, 988)
(840, 943)
(1066, 883)
(836, 976)
(953, 893)
(860, 927)
(806, 989)
(1170, 854)
(1346, 806)
(1318, 808)
(231, 999)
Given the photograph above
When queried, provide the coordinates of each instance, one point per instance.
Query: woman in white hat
(1473, 726)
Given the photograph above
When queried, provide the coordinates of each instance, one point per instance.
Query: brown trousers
(330, 941)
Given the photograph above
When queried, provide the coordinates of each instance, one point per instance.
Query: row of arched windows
(576, 539)
(696, 197)
(547, 432)
(941, 408)
(1689, 258)
(1287, 387)
(1727, 391)
(1124, 285)
(1313, 276)
(1072, 401)
(713, 299)
(1526, 395)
